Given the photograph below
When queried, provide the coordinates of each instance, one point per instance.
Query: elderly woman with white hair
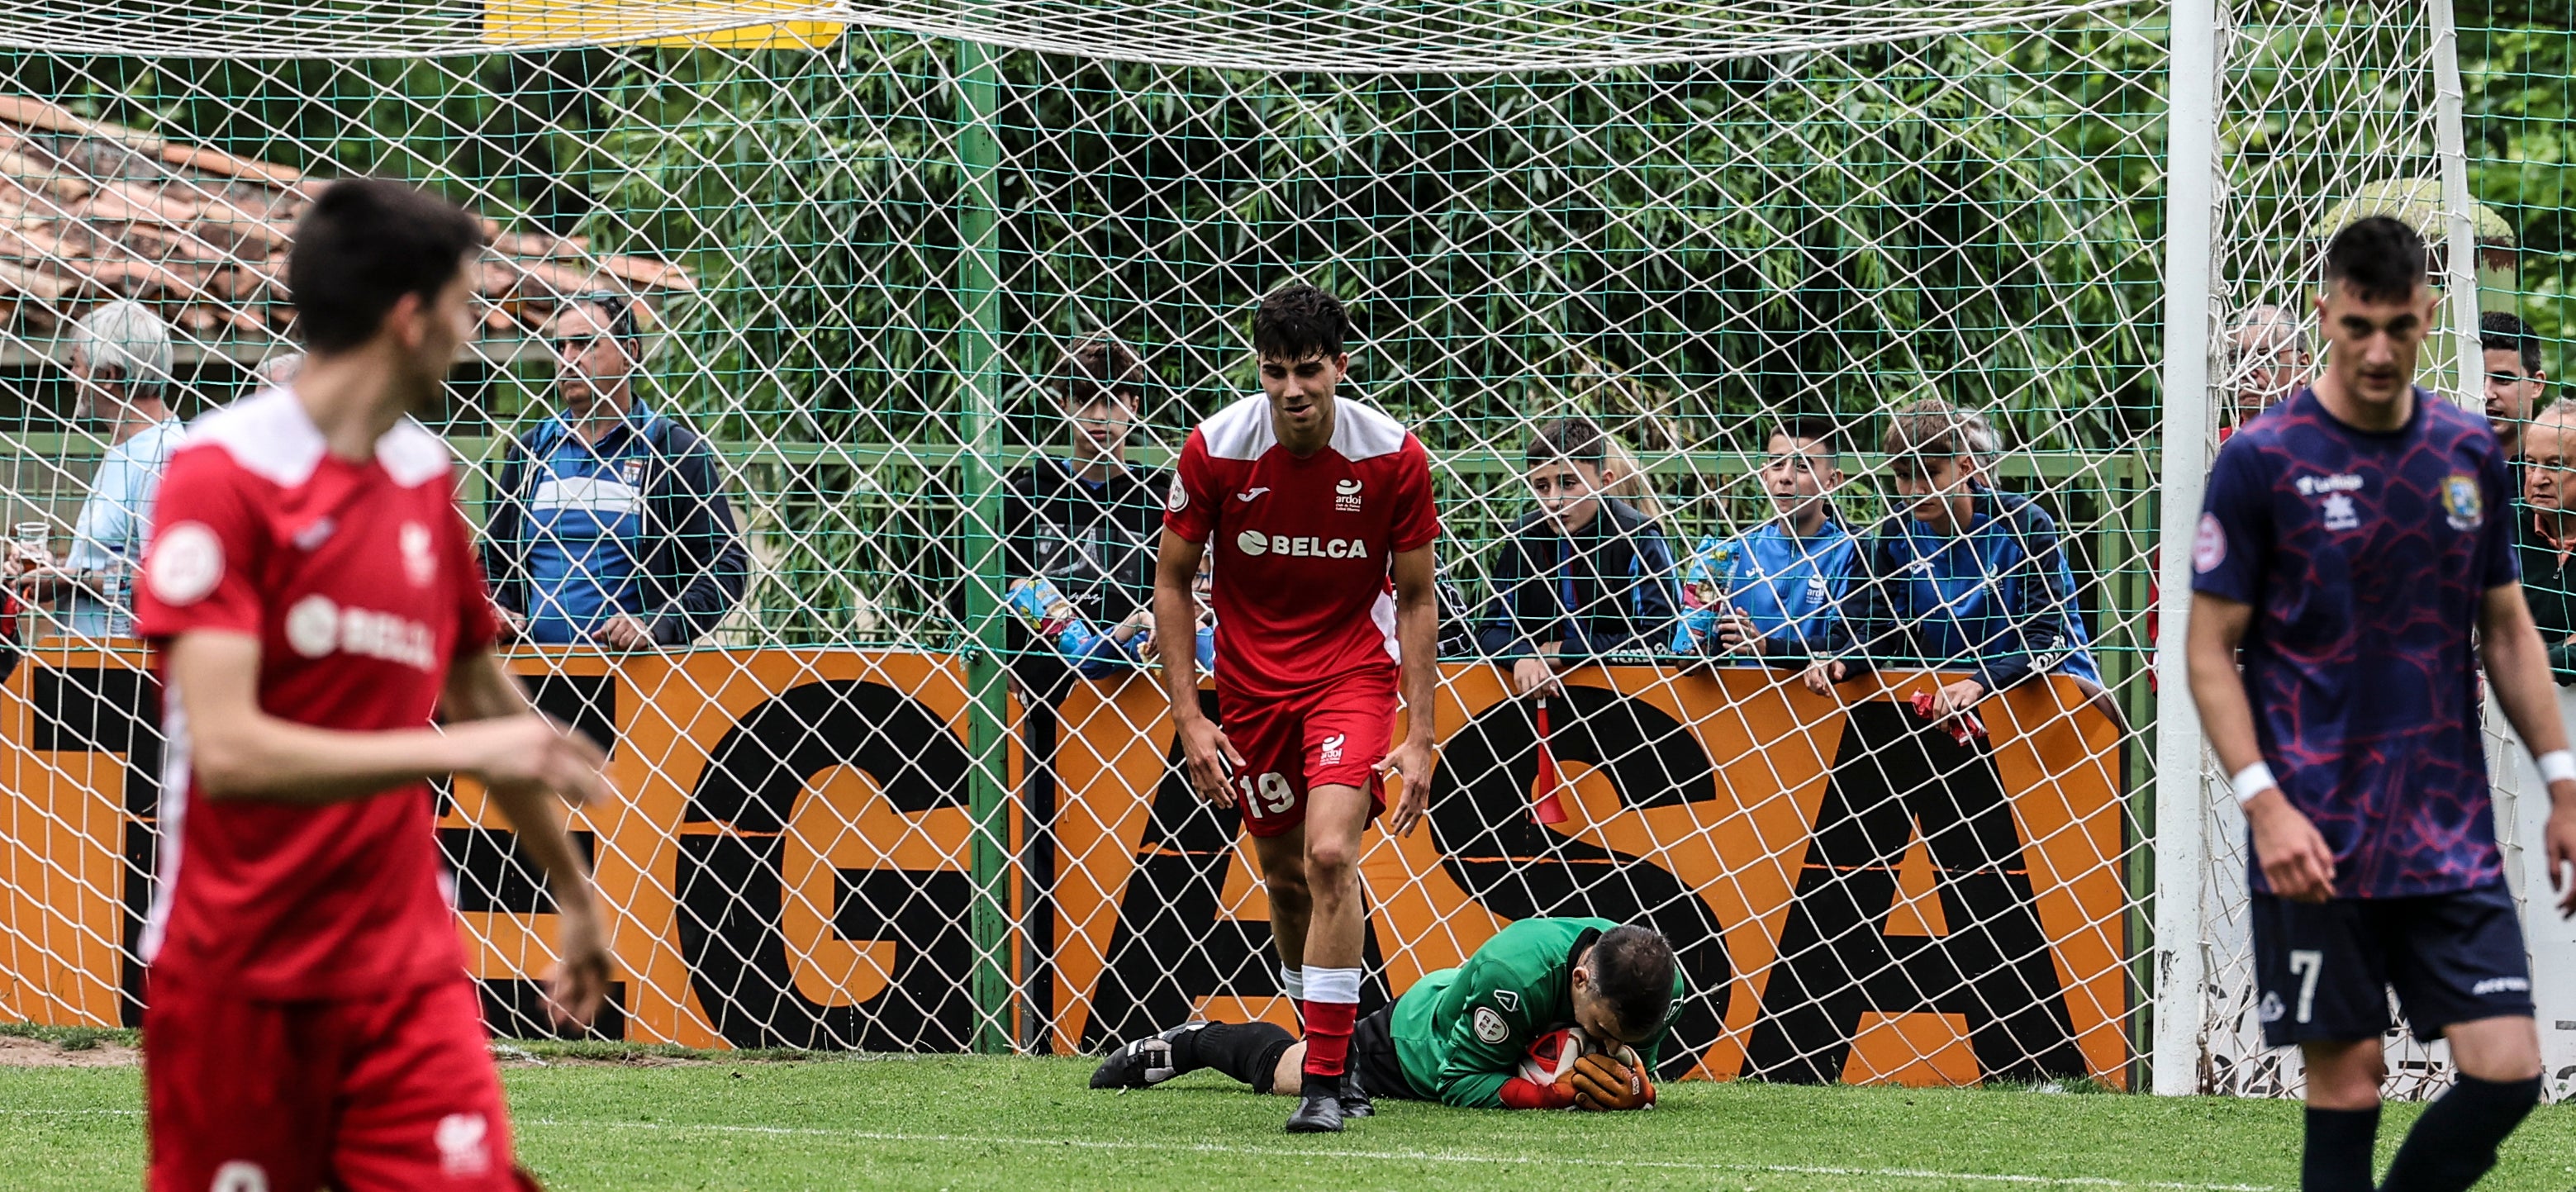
(121, 359)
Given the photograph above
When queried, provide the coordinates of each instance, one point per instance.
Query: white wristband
(2556, 764)
(2251, 781)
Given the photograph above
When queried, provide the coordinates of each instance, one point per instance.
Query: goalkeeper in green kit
(1489, 1034)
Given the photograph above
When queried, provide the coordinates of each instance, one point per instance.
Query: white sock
(1292, 979)
(1332, 984)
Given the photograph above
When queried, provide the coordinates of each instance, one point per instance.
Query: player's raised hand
(2561, 837)
(2291, 851)
(1410, 763)
(577, 985)
(539, 751)
(1211, 759)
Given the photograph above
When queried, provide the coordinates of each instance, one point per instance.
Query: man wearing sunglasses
(609, 525)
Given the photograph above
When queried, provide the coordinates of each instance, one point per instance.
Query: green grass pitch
(989, 1123)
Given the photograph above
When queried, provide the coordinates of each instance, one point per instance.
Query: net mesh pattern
(873, 806)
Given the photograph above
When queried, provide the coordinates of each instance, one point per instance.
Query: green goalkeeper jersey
(1461, 1032)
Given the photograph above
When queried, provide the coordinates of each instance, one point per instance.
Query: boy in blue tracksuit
(1964, 579)
(1584, 576)
(1775, 594)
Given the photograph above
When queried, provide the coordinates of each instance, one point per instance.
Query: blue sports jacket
(1998, 600)
(1790, 588)
(1607, 590)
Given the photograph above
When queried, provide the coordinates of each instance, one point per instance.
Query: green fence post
(980, 431)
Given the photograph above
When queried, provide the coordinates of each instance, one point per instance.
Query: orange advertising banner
(1854, 895)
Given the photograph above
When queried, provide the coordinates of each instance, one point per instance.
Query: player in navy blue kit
(2357, 543)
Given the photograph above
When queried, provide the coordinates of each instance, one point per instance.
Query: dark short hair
(1100, 367)
(1298, 321)
(1813, 429)
(2504, 331)
(2381, 258)
(623, 323)
(1632, 969)
(1576, 439)
(364, 244)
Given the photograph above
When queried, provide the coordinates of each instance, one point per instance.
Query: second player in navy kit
(2356, 545)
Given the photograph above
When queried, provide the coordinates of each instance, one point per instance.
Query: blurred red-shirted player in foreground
(315, 603)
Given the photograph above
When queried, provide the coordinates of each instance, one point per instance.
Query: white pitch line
(1465, 1157)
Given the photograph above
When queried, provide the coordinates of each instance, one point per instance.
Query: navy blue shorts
(2324, 969)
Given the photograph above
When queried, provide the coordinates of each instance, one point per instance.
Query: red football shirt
(1302, 546)
(359, 583)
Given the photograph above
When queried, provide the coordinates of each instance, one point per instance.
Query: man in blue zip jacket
(1774, 594)
(1584, 575)
(1965, 579)
(608, 524)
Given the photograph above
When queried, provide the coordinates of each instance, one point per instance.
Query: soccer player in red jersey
(1319, 510)
(315, 602)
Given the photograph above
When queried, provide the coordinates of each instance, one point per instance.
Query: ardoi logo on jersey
(1255, 542)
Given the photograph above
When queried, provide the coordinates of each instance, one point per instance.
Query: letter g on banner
(732, 884)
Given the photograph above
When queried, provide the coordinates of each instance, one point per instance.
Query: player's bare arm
(1417, 632)
(2293, 854)
(1211, 758)
(480, 689)
(2517, 666)
(242, 752)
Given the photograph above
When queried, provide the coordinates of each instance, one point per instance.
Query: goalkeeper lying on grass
(1549, 1014)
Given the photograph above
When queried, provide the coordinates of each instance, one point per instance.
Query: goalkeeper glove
(1603, 1083)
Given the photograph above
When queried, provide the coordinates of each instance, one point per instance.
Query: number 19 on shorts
(1268, 794)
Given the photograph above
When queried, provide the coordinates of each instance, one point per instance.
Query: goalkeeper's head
(1623, 986)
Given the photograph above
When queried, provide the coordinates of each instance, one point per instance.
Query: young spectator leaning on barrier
(1584, 575)
(1774, 593)
(608, 523)
(1961, 577)
(1080, 529)
(2546, 534)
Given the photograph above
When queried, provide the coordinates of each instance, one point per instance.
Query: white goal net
(876, 796)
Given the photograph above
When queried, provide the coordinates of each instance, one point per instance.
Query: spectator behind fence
(2514, 379)
(1086, 524)
(278, 370)
(1964, 578)
(1583, 576)
(608, 523)
(2267, 358)
(1773, 594)
(2547, 534)
(121, 361)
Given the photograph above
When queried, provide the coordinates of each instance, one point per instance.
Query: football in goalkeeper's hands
(1551, 1056)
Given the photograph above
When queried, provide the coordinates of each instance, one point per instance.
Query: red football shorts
(385, 1094)
(1332, 736)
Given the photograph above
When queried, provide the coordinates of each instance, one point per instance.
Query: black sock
(1247, 1051)
(2338, 1153)
(2455, 1141)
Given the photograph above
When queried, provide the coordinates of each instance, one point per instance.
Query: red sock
(1328, 1036)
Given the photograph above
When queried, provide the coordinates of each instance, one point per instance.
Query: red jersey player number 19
(1319, 511)
(316, 603)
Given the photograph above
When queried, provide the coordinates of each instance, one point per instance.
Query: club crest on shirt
(420, 563)
(633, 473)
(2462, 504)
(2208, 545)
(2340, 513)
(1346, 496)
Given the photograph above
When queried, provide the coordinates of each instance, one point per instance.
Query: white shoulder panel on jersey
(1239, 431)
(270, 436)
(1243, 430)
(1362, 431)
(412, 455)
(267, 433)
